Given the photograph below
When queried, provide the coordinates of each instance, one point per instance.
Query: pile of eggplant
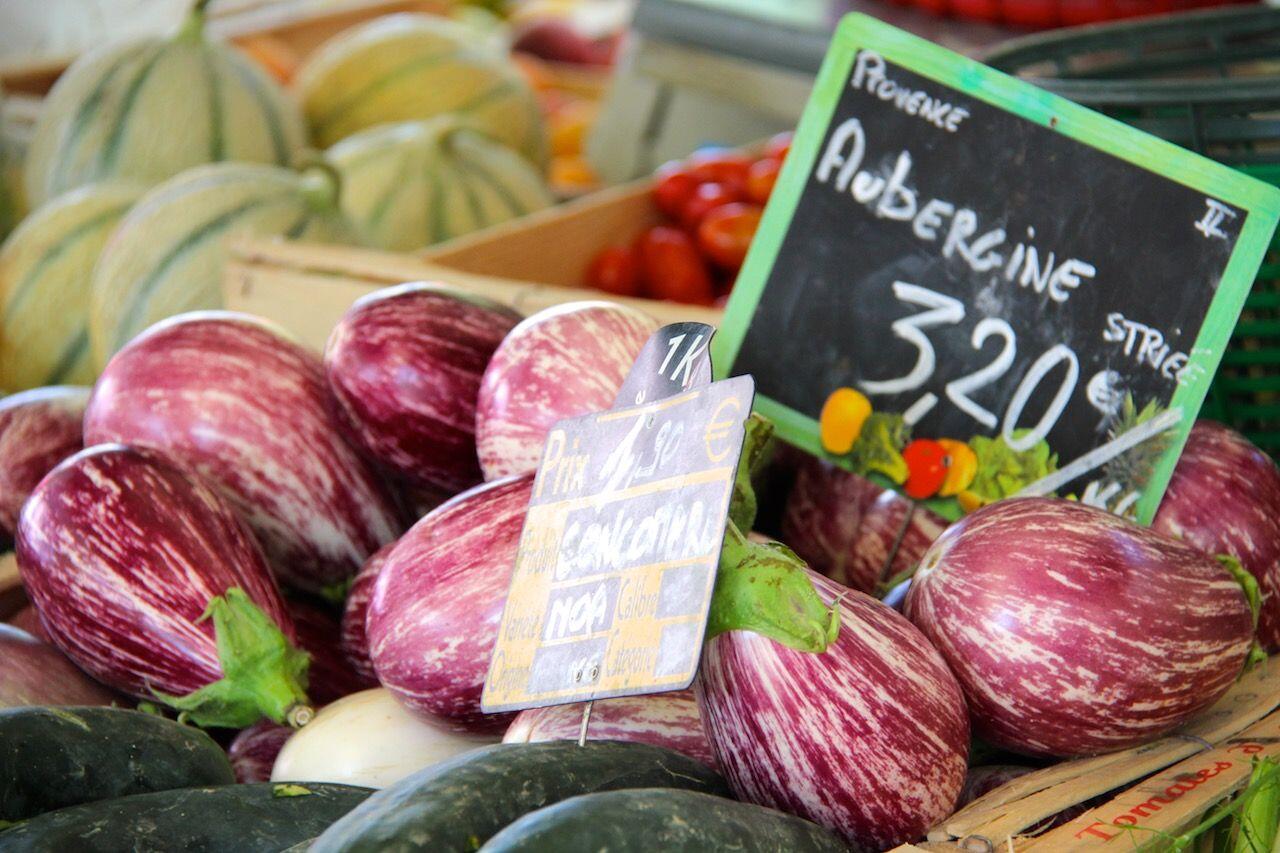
(295, 564)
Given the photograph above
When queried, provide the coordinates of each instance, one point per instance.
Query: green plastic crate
(1208, 81)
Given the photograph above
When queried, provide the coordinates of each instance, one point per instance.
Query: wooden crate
(12, 598)
(1167, 785)
(529, 264)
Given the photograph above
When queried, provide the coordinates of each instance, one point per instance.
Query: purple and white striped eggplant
(355, 639)
(1073, 631)
(330, 676)
(405, 365)
(433, 618)
(868, 738)
(254, 750)
(38, 429)
(845, 526)
(137, 567)
(232, 398)
(1224, 498)
(35, 673)
(564, 361)
(669, 720)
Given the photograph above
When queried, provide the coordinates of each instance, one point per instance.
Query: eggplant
(238, 402)
(38, 429)
(671, 720)
(564, 361)
(148, 580)
(1224, 498)
(253, 751)
(404, 363)
(434, 614)
(36, 673)
(355, 640)
(330, 676)
(852, 530)
(1076, 632)
(868, 738)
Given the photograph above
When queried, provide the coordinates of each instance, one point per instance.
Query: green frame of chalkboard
(857, 31)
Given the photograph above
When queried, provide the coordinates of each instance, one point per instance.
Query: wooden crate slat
(306, 288)
(1029, 799)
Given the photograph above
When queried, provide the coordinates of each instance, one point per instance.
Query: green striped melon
(145, 110)
(167, 255)
(45, 270)
(410, 67)
(416, 183)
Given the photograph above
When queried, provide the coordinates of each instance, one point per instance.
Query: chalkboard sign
(990, 269)
(617, 560)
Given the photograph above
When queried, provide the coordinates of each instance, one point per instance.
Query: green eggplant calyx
(743, 505)
(263, 674)
(763, 587)
(1248, 583)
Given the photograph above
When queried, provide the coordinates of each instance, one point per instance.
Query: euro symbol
(719, 428)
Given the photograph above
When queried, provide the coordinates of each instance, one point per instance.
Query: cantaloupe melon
(166, 256)
(46, 267)
(12, 151)
(146, 109)
(412, 184)
(410, 67)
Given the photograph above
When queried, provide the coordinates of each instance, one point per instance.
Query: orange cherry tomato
(671, 268)
(615, 270)
(778, 145)
(761, 177)
(926, 468)
(726, 231)
(672, 189)
(720, 167)
(705, 198)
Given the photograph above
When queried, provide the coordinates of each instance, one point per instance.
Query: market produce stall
(374, 478)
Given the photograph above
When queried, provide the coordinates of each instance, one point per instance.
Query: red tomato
(672, 189)
(926, 468)
(671, 268)
(761, 177)
(725, 233)
(615, 270)
(720, 167)
(706, 198)
(778, 145)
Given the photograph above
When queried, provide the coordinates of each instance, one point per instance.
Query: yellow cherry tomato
(970, 501)
(962, 467)
(840, 423)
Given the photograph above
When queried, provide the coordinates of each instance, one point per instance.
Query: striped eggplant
(846, 526)
(1074, 631)
(35, 673)
(38, 429)
(669, 720)
(355, 640)
(434, 614)
(148, 580)
(1224, 498)
(564, 361)
(330, 676)
(253, 751)
(234, 399)
(405, 365)
(868, 738)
